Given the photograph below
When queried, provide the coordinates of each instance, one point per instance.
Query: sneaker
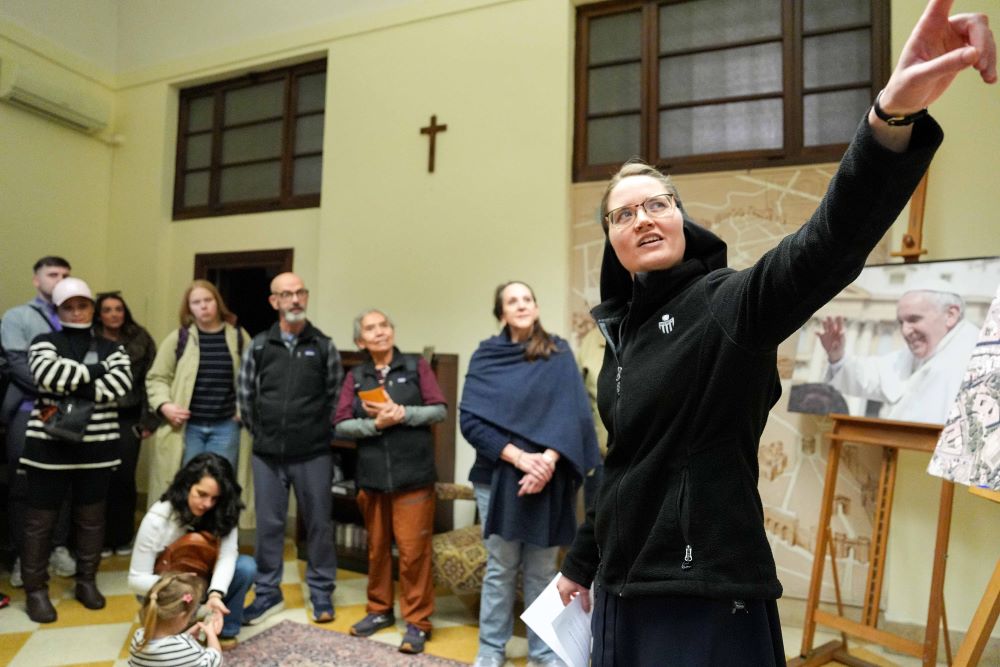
(107, 552)
(323, 612)
(489, 661)
(414, 639)
(262, 608)
(227, 643)
(15, 574)
(371, 624)
(62, 562)
(124, 550)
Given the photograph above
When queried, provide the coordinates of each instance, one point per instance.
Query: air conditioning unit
(59, 101)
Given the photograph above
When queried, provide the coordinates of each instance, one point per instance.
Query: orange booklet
(376, 395)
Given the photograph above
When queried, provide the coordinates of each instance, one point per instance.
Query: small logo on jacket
(666, 324)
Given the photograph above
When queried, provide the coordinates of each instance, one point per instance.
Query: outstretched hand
(832, 338)
(939, 47)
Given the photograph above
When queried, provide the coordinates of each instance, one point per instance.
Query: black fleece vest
(292, 411)
(401, 457)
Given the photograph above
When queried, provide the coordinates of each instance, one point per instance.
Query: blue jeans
(243, 576)
(220, 437)
(496, 607)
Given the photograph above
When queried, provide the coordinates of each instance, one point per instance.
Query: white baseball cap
(69, 287)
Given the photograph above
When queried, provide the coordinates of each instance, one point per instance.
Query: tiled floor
(100, 638)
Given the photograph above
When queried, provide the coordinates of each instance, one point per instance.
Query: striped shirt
(172, 651)
(57, 374)
(214, 396)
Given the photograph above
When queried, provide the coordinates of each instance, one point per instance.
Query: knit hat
(67, 288)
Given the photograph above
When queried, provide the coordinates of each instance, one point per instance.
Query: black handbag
(68, 418)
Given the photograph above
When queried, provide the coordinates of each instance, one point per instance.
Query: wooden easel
(986, 613)
(891, 436)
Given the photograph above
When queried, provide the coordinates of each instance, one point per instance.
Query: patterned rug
(290, 644)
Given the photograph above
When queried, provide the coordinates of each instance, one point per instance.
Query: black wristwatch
(896, 121)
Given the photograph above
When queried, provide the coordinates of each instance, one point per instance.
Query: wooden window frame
(793, 151)
(285, 200)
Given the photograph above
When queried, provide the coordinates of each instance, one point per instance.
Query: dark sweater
(685, 405)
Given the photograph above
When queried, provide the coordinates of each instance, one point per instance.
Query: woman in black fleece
(675, 543)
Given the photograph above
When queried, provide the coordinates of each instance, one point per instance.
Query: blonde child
(168, 634)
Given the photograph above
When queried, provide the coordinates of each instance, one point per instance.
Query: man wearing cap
(916, 383)
(18, 328)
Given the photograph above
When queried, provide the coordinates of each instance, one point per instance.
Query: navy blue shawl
(542, 401)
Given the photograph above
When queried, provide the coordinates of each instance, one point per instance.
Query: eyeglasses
(657, 207)
(287, 296)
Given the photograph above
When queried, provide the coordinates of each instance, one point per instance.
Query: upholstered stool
(459, 555)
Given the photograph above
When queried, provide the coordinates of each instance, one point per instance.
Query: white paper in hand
(566, 630)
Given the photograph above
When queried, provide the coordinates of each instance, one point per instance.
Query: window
(699, 85)
(251, 144)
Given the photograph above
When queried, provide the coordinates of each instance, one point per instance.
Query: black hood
(699, 245)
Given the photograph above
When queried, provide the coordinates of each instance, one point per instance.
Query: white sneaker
(489, 661)
(125, 550)
(62, 562)
(15, 574)
(107, 552)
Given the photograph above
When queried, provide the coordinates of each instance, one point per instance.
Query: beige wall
(428, 248)
(55, 183)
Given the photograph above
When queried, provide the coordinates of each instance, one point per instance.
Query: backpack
(6, 374)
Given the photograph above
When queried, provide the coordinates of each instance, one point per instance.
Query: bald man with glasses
(287, 392)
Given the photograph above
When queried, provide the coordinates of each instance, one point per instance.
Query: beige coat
(171, 380)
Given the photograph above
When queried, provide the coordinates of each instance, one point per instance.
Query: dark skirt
(544, 519)
(663, 631)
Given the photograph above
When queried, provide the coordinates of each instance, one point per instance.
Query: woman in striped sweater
(72, 362)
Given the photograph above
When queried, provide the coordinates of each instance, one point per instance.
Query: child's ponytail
(175, 594)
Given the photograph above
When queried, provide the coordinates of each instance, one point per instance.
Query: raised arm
(883, 165)
(939, 47)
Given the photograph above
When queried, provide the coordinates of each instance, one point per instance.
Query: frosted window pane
(255, 142)
(312, 92)
(612, 139)
(252, 181)
(266, 100)
(196, 189)
(712, 22)
(613, 89)
(721, 128)
(837, 59)
(615, 37)
(199, 151)
(832, 118)
(200, 113)
(309, 134)
(702, 76)
(820, 14)
(308, 175)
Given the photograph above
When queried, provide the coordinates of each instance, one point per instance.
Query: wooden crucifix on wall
(431, 131)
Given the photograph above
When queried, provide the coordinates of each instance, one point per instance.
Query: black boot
(35, 549)
(89, 523)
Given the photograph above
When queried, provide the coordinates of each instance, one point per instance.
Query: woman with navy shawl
(525, 411)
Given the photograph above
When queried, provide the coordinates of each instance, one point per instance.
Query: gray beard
(294, 318)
